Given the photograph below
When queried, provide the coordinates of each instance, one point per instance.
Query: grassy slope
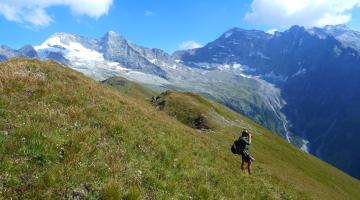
(64, 135)
(130, 88)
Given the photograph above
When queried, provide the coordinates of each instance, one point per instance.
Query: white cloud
(148, 13)
(190, 45)
(34, 12)
(284, 13)
(272, 31)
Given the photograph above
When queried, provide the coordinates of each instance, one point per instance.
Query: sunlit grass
(63, 135)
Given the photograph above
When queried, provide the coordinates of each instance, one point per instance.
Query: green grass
(130, 88)
(188, 108)
(63, 135)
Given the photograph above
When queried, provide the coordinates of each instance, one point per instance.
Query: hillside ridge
(64, 135)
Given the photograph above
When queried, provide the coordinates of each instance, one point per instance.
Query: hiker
(243, 144)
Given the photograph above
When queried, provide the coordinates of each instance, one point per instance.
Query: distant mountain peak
(28, 51)
(296, 28)
(236, 29)
(236, 33)
(5, 47)
(63, 35)
(231, 31)
(347, 36)
(113, 35)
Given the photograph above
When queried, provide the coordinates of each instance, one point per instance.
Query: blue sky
(164, 24)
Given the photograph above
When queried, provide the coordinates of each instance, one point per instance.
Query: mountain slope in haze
(25, 52)
(64, 135)
(113, 55)
(317, 73)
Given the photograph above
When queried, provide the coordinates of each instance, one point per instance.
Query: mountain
(318, 78)
(233, 46)
(64, 135)
(348, 37)
(113, 55)
(299, 83)
(118, 49)
(103, 58)
(25, 52)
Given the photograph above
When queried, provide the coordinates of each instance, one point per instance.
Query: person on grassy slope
(243, 144)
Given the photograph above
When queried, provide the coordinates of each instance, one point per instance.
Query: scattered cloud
(149, 13)
(272, 31)
(284, 13)
(190, 45)
(34, 12)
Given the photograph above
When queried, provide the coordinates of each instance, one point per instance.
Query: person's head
(245, 133)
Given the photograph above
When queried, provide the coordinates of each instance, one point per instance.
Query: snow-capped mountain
(348, 37)
(318, 74)
(110, 56)
(114, 55)
(299, 83)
